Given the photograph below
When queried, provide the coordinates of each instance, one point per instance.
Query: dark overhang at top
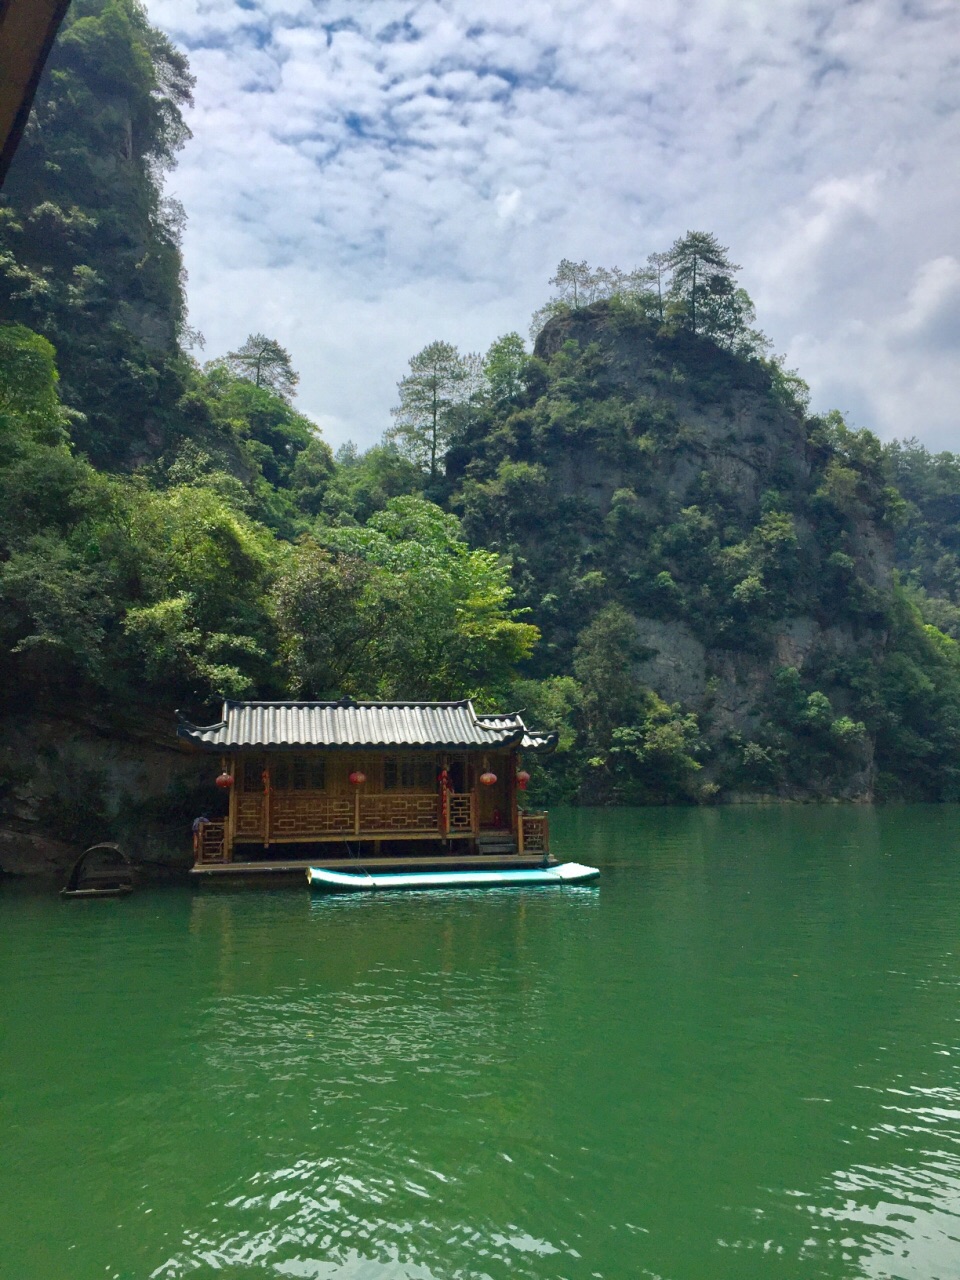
(27, 31)
(370, 726)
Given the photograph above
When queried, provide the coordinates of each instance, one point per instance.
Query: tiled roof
(348, 724)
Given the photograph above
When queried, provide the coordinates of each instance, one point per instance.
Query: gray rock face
(742, 436)
(795, 640)
(677, 665)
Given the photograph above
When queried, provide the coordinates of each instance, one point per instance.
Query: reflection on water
(331, 1218)
(734, 1059)
(416, 1037)
(896, 1218)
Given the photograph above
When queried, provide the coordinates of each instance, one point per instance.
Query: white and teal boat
(324, 881)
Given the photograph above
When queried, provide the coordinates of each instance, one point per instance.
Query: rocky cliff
(66, 782)
(749, 543)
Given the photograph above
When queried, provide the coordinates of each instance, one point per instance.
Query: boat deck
(503, 862)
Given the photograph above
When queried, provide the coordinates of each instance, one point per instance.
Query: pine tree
(439, 383)
(262, 361)
(700, 268)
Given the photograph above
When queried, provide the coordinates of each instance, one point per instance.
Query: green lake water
(737, 1058)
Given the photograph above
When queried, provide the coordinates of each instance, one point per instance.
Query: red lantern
(357, 779)
(523, 779)
(225, 781)
(488, 778)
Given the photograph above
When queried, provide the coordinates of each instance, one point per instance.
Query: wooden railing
(299, 815)
(399, 814)
(306, 815)
(309, 816)
(209, 843)
(534, 833)
(461, 812)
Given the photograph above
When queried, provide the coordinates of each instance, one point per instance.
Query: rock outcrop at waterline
(70, 782)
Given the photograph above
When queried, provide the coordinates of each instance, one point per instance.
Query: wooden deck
(512, 861)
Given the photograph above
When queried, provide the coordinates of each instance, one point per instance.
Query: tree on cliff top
(702, 272)
(262, 361)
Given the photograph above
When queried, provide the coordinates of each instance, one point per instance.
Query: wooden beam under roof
(28, 29)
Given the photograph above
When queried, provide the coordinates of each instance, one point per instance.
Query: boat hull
(323, 881)
(114, 891)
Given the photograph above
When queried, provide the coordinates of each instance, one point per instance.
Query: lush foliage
(692, 286)
(928, 537)
(398, 608)
(168, 531)
(89, 248)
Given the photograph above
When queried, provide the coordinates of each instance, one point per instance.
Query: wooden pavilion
(328, 783)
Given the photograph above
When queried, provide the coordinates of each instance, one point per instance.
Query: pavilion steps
(496, 842)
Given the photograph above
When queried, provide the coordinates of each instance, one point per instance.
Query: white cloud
(932, 314)
(367, 176)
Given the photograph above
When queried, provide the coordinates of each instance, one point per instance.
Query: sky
(367, 176)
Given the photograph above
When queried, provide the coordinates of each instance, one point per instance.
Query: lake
(737, 1058)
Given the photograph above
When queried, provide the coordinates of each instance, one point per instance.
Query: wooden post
(230, 826)
(470, 784)
(520, 834)
(513, 765)
(356, 811)
(266, 805)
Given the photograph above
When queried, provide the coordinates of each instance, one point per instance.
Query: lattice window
(535, 834)
(298, 773)
(249, 815)
(409, 773)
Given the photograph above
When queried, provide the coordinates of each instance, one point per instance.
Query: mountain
(715, 567)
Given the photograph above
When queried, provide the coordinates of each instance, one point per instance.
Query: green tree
(310, 476)
(327, 614)
(89, 246)
(658, 265)
(30, 409)
(203, 570)
(656, 759)
(271, 431)
(266, 364)
(603, 662)
(363, 483)
(702, 275)
(400, 608)
(504, 367)
(440, 382)
(575, 283)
